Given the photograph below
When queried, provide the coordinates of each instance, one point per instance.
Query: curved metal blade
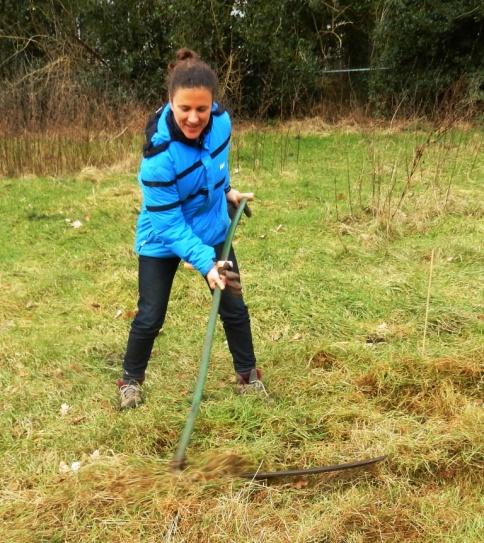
(311, 471)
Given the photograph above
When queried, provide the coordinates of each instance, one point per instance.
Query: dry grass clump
(144, 503)
(95, 174)
(413, 190)
(59, 154)
(468, 370)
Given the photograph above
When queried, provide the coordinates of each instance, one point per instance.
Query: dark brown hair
(189, 71)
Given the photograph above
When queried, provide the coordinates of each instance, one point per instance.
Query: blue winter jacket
(184, 208)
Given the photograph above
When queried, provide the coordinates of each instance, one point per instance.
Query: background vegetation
(62, 61)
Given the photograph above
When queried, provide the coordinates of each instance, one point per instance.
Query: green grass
(336, 274)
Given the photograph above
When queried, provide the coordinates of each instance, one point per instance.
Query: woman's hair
(189, 71)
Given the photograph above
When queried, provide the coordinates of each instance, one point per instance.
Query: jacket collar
(176, 133)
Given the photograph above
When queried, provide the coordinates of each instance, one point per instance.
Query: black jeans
(154, 282)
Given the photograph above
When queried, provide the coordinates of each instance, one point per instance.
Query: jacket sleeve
(163, 204)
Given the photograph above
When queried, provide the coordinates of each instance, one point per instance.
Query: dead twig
(427, 305)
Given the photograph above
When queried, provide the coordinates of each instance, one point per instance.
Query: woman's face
(191, 108)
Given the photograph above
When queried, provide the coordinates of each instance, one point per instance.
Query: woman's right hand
(214, 279)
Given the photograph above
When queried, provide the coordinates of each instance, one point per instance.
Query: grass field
(362, 268)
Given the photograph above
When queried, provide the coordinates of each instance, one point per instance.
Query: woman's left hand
(235, 196)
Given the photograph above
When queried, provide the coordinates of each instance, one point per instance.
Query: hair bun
(186, 54)
(183, 55)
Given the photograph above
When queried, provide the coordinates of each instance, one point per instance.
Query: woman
(184, 177)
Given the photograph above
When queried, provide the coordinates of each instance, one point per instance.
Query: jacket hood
(162, 134)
